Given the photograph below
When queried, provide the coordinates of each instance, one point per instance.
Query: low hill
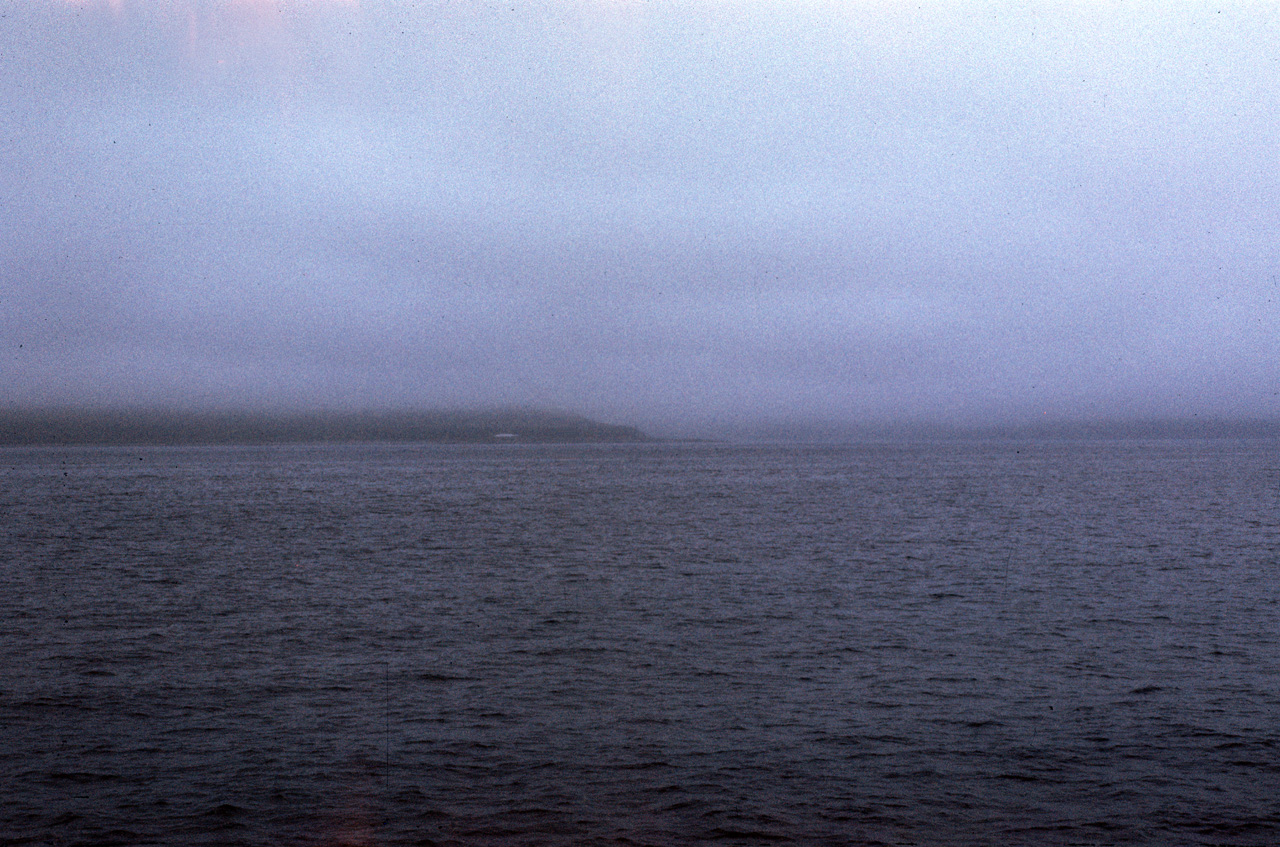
(80, 426)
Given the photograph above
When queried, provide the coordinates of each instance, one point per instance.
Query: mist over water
(917, 643)
(671, 215)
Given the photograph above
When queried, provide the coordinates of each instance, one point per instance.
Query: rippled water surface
(954, 643)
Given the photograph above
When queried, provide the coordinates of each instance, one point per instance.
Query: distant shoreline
(94, 426)
(68, 426)
(1100, 430)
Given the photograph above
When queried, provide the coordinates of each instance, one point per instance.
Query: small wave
(1018, 777)
(724, 834)
(644, 766)
(441, 677)
(81, 778)
(1244, 828)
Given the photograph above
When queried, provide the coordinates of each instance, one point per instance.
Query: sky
(677, 215)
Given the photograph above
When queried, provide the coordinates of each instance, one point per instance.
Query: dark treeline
(79, 426)
(115, 426)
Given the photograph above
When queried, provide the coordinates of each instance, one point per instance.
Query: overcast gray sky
(657, 213)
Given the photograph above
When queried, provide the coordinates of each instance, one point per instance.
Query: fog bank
(687, 217)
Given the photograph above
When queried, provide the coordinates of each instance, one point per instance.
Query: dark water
(1053, 643)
